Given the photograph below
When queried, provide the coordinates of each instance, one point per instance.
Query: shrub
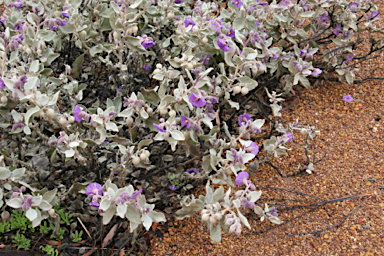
(141, 95)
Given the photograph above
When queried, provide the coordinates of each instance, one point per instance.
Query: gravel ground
(352, 136)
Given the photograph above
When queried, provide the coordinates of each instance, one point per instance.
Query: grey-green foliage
(274, 43)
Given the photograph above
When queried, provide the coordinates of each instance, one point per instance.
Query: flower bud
(236, 90)
(5, 215)
(83, 35)
(143, 157)
(71, 119)
(205, 217)
(163, 111)
(96, 12)
(116, 35)
(213, 220)
(244, 90)
(4, 99)
(159, 66)
(205, 211)
(217, 216)
(172, 113)
(135, 160)
(56, 14)
(63, 121)
(171, 15)
(149, 111)
(147, 153)
(189, 66)
(195, 29)
(129, 121)
(28, 51)
(134, 30)
(204, 40)
(50, 113)
(51, 213)
(254, 70)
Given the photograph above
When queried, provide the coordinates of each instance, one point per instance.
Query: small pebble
(381, 187)
(377, 119)
(168, 253)
(187, 247)
(365, 226)
(373, 180)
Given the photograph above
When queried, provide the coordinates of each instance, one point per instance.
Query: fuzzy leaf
(4, 173)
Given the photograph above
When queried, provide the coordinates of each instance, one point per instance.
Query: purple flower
(188, 22)
(136, 194)
(94, 189)
(353, 6)
(173, 187)
(273, 212)
(349, 58)
(148, 43)
(338, 29)
(192, 170)
(185, 122)
(66, 15)
(316, 72)
(77, 114)
(197, 101)
(27, 202)
(18, 4)
(178, 1)
(223, 44)
(285, 3)
(206, 59)
(237, 3)
(253, 148)
(237, 157)
(53, 27)
(2, 84)
(147, 67)
(372, 15)
(159, 128)
(94, 203)
(241, 178)
(348, 98)
(17, 126)
(257, 23)
(287, 137)
(243, 119)
(19, 25)
(231, 33)
(63, 23)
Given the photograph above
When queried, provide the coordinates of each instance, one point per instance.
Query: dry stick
(320, 204)
(317, 232)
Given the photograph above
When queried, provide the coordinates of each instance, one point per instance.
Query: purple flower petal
(188, 22)
(231, 33)
(223, 44)
(184, 121)
(237, 3)
(197, 101)
(244, 118)
(94, 189)
(192, 170)
(241, 178)
(77, 115)
(173, 187)
(348, 98)
(159, 128)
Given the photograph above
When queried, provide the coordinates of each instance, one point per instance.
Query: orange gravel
(352, 136)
